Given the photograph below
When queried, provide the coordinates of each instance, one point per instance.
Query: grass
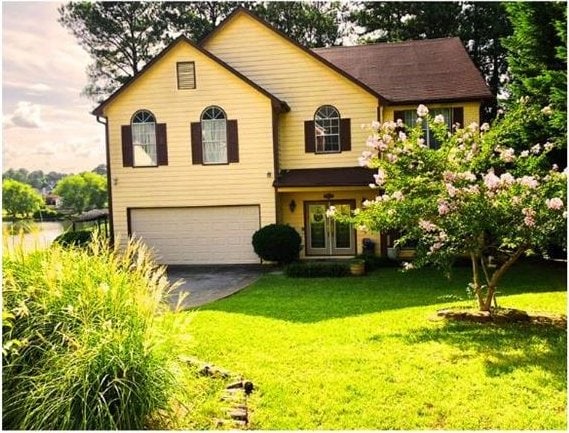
(360, 353)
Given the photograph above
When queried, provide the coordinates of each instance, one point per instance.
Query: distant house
(211, 141)
(52, 200)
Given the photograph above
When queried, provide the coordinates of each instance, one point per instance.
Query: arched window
(144, 138)
(214, 135)
(327, 129)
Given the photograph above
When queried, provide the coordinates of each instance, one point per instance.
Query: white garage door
(201, 235)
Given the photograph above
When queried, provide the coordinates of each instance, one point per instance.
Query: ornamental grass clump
(80, 349)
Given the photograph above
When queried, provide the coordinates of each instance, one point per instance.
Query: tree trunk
(476, 281)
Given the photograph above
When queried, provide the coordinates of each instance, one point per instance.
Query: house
(211, 141)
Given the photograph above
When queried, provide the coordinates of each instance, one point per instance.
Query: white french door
(326, 236)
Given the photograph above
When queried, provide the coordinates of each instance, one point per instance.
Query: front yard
(361, 353)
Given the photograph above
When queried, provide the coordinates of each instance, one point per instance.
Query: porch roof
(338, 176)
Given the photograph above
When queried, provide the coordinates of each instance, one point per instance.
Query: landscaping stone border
(235, 394)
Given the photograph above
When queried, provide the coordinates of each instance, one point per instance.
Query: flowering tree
(469, 197)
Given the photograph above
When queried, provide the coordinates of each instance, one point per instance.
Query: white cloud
(26, 115)
(47, 125)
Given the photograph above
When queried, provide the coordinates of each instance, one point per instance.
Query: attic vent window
(186, 75)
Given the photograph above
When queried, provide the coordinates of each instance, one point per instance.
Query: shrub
(277, 243)
(318, 269)
(79, 238)
(373, 262)
(47, 214)
(80, 348)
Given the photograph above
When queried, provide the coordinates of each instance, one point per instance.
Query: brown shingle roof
(415, 71)
(340, 176)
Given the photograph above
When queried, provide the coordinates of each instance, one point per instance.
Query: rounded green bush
(277, 243)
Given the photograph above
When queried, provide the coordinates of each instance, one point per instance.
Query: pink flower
(516, 200)
(443, 208)
(408, 266)
(507, 155)
(382, 146)
(421, 142)
(451, 190)
(402, 136)
(536, 149)
(491, 181)
(449, 176)
(427, 225)
(422, 111)
(529, 217)
(397, 195)
(507, 179)
(548, 146)
(524, 153)
(467, 175)
(435, 247)
(547, 110)
(372, 142)
(375, 125)
(331, 212)
(528, 181)
(484, 127)
(554, 203)
(439, 119)
(379, 177)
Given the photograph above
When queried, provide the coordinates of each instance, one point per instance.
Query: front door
(326, 236)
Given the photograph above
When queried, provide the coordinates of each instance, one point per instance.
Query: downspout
(109, 178)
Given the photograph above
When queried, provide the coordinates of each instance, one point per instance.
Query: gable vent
(186, 75)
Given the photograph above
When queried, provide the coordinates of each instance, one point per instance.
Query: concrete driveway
(205, 284)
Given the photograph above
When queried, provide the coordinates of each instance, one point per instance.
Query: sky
(46, 123)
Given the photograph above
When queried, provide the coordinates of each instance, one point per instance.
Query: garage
(198, 235)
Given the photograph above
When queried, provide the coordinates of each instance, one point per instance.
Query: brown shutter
(127, 152)
(309, 137)
(458, 116)
(232, 141)
(161, 144)
(345, 135)
(197, 151)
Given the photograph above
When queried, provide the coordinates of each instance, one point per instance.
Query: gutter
(109, 182)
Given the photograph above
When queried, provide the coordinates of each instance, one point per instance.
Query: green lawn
(360, 353)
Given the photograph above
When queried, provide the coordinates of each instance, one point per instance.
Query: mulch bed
(503, 315)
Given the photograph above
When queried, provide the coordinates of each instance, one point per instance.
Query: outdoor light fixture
(328, 196)
(292, 205)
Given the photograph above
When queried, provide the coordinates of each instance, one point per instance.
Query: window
(327, 129)
(186, 72)
(214, 135)
(144, 139)
(409, 117)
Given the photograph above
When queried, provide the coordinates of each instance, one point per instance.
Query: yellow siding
(303, 82)
(471, 110)
(180, 183)
(296, 218)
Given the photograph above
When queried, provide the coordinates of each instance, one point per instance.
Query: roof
(282, 105)
(430, 70)
(92, 215)
(339, 176)
(313, 53)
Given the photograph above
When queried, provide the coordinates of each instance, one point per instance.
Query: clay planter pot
(357, 267)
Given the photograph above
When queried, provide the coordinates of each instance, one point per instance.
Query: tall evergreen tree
(537, 57)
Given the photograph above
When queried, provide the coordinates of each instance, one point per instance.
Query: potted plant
(357, 267)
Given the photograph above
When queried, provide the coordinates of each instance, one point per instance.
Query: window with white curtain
(144, 139)
(327, 129)
(214, 135)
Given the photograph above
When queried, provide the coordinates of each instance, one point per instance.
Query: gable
(256, 49)
(183, 43)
